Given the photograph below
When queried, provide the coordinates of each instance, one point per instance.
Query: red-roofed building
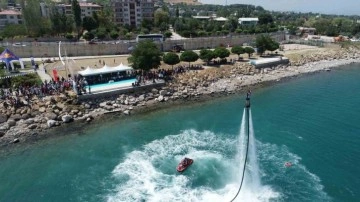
(11, 16)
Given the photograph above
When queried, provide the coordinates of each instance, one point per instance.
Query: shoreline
(194, 87)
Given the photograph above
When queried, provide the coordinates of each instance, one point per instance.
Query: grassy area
(15, 81)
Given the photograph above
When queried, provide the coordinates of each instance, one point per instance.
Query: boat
(184, 164)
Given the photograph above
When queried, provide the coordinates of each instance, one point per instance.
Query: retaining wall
(52, 49)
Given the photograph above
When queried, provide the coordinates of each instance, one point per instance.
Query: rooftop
(10, 12)
(248, 19)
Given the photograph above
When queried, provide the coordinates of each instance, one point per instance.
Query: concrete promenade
(42, 74)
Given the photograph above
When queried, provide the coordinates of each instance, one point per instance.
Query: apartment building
(87, 9)
(10, 16)
(132, 12)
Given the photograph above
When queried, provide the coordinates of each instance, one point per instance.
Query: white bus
(152, 37)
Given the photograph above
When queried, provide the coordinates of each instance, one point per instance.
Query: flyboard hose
(246, 155)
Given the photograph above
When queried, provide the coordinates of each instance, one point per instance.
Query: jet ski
(185, 163)
(288, 164)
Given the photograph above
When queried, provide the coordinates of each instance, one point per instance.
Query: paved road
(42, 74)
(175, 36)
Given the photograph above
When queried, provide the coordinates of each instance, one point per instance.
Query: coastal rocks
(42, 109)
(160, 98)
(32, 126)
(16, 117)
(126, 112)
(3, 118)
(4, 127)
(163, 92)
(29, 121)
(67, 118)
(51, 123)
(155, 91)
(50, 116)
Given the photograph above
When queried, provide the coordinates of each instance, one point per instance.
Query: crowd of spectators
(17, 95)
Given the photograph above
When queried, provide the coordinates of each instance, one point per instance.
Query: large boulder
(32, 126)
(67, 118)
(50, 116)
(160, 98)
(60, 105)
(25, 116)
(42, 109)
(163, 92)
(16, 117)
(51, 123)
(4, 127)
(3, 118)
(11, 122)
(29, 121)
(155, 91)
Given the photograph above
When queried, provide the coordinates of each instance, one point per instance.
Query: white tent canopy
(104, 70)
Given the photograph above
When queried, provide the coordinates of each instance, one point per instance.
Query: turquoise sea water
(123, 82)
(312, 121)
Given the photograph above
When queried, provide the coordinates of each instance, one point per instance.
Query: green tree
(88, 36)
(160, 17)
(145, 56)
(34, 23)
(89, 23)
(69, 36)
(101, 33)
(171, 59)
(177, 12)
(265, 42)
(77, 15)
(249, 51)
(114, 34)
(168, 34)
(148, 24)
(12, 30)
(96, 18)
(25, 80)
(238, 50)
(272, 46)
(265, 18)
(207, 55)
(189, 56)
(221, 52)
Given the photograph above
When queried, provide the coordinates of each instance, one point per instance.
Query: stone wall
(52, 49)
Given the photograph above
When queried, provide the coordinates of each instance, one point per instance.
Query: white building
(132, 12)
(248, 21)
(10, 17)
(220, 19)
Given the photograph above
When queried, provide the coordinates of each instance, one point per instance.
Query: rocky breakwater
(17, 124)
(28, 119)
(327, 55)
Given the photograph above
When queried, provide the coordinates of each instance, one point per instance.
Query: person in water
(185, 162)
(248, 94)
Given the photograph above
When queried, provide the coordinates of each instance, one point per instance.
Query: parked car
(18, 44)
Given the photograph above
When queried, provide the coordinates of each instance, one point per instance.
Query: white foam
(144, 176)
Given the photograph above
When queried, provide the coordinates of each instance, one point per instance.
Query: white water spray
(253, 170)
(249, 178)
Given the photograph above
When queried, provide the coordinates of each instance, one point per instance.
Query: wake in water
(149, 174)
